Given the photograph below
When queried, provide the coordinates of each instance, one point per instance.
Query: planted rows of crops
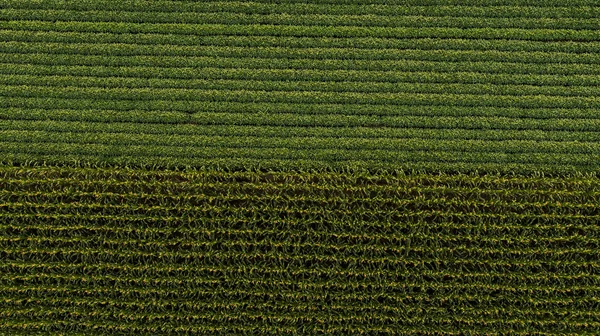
(123, 250)
(465, 85)
(241, 167)
(294, 120)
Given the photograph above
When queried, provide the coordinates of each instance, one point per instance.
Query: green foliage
(300, 167)
(157, 251)
(458, 85)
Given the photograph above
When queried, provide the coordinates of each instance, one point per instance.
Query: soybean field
(377, 167)
(441, 85)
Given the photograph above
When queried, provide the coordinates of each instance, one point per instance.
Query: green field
(425, 167)
(152, 251)
(438, 85)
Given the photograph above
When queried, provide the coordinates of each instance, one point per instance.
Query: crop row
(156, 205)
(304, 308)
(365, 20)
(415, 242)
(396, 180)
(287, 122)
(161, 274)
(165, 276)
(473, 3)
(493, 207)
(307, 86)
(452, 239)
(166, 191)
(232, 162)
(348, 293)
(336, 260)
(428, 122)
(25, 327)
(146, 123)
(172, 63)
(344, 193)
(300, 42)
(148, 95)
(283, 164)
(450, 228)
(359, 228)
(235, 304)
(502, 227)
(396, 144)
(156, 76)
(447, 226)
(157, 322)
(269, 307)
(148, 152)
(327, 53)
(33, 105)
(514, 9)
(343, 302)
(582, 35)
(292, 249)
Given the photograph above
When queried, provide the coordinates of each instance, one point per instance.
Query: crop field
(440, 85)
(88, 250)
(345, 167)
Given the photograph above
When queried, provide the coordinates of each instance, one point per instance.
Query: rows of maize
(416, 167)
(118, 251)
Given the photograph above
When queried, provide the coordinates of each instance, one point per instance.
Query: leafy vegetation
(460, 85)
(415, 167)
(197, 251)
